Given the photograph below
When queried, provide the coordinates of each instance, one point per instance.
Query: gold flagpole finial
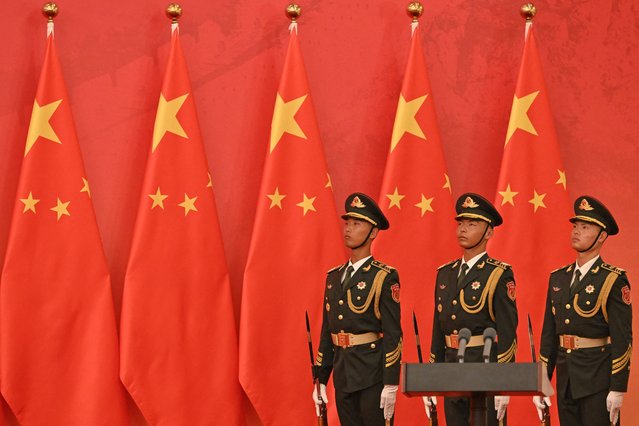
(528, 11)
(415, 10)
(50, 11)
(174, 12)
(293, 12)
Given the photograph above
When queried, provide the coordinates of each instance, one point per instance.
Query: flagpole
(50, 11)
(528, 12)
(174, 12)
(414, 10)
(293, 12)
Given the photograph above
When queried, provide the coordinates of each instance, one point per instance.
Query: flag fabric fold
(416, 198)
(532, 197)
(295, 242)
(58, 333)
(178, 334)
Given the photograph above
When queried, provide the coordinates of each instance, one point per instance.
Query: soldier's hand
(387, 400)
(429, 401)
(501, 402)
(614, 401)
(316, 398)
(539, 404)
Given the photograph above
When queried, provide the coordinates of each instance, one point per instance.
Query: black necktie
(462, 274)
(347, 276)
(576, 278)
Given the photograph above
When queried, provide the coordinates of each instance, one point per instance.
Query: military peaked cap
(589, 209)
(361, 206)
(474, 206)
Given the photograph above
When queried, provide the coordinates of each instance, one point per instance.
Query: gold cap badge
(585, 205)
(468, 202)
(357, 203)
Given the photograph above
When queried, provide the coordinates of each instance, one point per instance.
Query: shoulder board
(611, 268)
(449, 263)
(498, 263)
(381, 265)
(335, 268)
(562, 268)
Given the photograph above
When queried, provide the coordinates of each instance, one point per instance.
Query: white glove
(429, 401)
(387, 400)
(501, 402)
(613, 404)
(539, 404)
(316, 400)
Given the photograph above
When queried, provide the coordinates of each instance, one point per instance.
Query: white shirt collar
(357, 264)
(472, 261)
(585, 267)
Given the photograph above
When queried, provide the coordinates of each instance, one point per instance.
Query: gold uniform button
(341, 302)
(455, 332)
(372, 345)
(454, 302)
(568, 351)
(567, 321)
(340, 316)
(567, 305)
(453, 317)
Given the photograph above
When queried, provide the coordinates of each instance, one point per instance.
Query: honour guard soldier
(587, 332)
(361, 338)
(474, 292)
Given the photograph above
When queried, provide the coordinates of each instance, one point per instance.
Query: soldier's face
(356, 231)
(470, 231)
(583, 234)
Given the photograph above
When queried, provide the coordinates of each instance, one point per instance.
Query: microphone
(462, 338)
(489, 337)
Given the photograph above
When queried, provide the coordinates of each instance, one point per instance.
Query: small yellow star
(329, 183)
(284, 120)
(425, 205)
(508, 196)
(188, 204)
(395, 198)
(447, 183)
(210, 184)
(86, 188)
(537, 201)
(158, 199)
(61, 208)
(519, 115)
(307, 204)
(276, 198)
(405, 121)
(562, 178)
(39, 125)
(29, 203)
(166, 119)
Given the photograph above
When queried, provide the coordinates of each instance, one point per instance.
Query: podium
(476, 381)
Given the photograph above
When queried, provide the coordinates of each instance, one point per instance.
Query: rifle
(433, 408)
(546, 412)
(322, 419)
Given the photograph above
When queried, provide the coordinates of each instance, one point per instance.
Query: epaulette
(612, 268)
(335, 268)
(449, 263)
(562, 268)
(498, 263)
(381, 265)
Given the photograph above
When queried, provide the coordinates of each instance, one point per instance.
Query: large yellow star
(39, 125)
(166, 119)
(276, 198)
(29, 203)
(86, 188)
(284, 119)
(562, 178)
(447, 183)
(537, 201)
(395, 198)
(519, 115)
(508, 196)
(405, 121)
(158, 199)
(188, 204)
(61, 208)
(425, 205)
(307, 204)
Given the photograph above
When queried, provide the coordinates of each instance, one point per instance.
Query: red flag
(532, 198)
(416, 198)
(179, 341)
(295, 241)
(59, 347)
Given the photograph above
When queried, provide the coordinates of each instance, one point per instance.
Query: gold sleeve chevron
(620, 364)
(319, 358)
(432, 359)
(393, 356)
(509, 355)
(543, 359)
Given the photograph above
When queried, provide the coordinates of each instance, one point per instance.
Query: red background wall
(114, 57)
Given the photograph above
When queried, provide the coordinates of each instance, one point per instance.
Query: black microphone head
(490, 333)
(464, 334)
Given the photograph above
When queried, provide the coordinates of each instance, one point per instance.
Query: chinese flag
(178, 335)
(532, 198)
(416, 197)
(295, 242)
(59, 348)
